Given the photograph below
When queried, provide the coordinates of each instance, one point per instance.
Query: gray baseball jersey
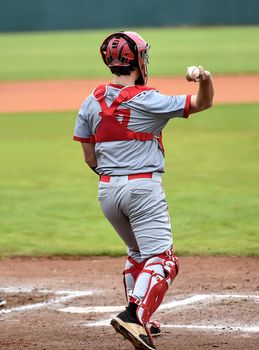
(149, 112)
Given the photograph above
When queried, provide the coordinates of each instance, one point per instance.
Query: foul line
(245, 329)
(202, 328)
(70, 295)
(106, 309)
(176, 303)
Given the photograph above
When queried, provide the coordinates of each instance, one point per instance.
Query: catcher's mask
(126, 50)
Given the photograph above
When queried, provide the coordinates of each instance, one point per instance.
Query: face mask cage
(145, 55)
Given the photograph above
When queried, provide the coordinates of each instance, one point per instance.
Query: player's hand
(204, 74)
(197, 74)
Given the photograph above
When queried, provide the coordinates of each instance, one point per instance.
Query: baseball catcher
(120, 129)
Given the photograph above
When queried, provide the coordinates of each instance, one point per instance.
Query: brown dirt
(68, 94)
(50, 329)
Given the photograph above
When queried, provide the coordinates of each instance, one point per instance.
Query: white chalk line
(92, 309)
(203, 328)
(67, 295)
(244, 329)
(26, 290)
(179, 303)
(16, 290)
(176, 303)
(70, 295)
(106, 309)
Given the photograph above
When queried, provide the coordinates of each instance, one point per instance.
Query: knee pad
(157, 284)
(130, 274)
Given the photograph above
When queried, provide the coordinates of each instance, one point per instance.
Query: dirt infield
(66, 304)
(37, 96)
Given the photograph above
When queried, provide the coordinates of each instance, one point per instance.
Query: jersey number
(125, 114)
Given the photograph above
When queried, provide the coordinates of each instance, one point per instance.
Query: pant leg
(146, 207)
(110, 198)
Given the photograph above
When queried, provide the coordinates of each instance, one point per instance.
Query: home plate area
(67, 304)
(197, 304)
(212, 312)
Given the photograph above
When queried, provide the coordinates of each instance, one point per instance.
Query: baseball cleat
(155, 329)
(2, 302)
(133, 332)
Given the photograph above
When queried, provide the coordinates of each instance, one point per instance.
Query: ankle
(132, 310)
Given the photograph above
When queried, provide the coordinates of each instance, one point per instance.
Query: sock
(132, 308)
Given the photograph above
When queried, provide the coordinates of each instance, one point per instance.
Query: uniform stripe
(187, 106)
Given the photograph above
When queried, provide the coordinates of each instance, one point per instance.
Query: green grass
(49, 199)
(61, 55)
(212, 181)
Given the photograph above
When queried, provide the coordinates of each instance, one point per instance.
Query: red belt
(107, 178)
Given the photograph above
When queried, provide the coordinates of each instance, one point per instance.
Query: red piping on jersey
(84, 139)
(186, 111)
(109, 128)
(81, 139)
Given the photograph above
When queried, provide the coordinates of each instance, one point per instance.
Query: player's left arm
(204, 98)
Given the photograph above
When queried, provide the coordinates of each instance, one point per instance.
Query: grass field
(49, 198)
(62, 55)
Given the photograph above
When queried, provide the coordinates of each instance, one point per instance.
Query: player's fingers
(207, 74)
(202, 75)
(188, 78)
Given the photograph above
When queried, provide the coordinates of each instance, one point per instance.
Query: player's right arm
(82, 133)
(204, 98)
(167, 107)
(89, 154)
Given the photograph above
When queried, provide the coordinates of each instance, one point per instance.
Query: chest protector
(109, 128)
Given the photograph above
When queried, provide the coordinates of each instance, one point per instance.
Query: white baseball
(193, 72)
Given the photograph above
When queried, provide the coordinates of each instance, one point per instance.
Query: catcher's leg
(152, 284)
(124, 323)
(130, 274)
(148, 293)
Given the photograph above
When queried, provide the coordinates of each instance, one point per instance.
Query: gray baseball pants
(138, 211)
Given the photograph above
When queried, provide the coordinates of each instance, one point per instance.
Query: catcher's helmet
(128, 50)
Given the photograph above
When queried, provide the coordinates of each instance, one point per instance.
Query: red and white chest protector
(109, 128)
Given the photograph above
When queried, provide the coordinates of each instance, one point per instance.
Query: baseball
(193, 72)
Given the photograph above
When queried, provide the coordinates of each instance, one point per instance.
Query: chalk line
(71, 295)
(244, 329)
(92, 309)
(174, 304)
(25, 290)
(182, 303)
(204, 328)
(105, 309)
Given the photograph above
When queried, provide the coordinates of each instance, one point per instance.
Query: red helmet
(126, 49)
